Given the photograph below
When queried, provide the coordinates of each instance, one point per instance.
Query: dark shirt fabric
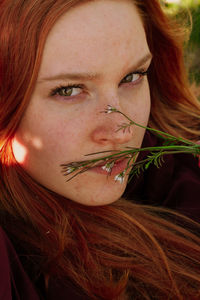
(14, 282)
(176, 185)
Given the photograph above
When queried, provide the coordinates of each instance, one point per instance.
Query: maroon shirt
(175, 185)
(14, 282)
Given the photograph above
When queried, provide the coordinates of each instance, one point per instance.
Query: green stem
(161, 133)
(155, 156)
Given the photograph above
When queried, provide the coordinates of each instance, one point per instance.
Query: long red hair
(174, 108)
(106, 251)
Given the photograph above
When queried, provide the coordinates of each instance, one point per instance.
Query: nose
(109, 131)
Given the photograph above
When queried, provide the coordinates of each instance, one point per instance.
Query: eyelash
(58, 89)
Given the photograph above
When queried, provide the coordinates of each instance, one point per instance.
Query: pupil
(129, 78)
(66, 92)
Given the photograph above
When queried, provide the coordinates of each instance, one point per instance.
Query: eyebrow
(89, 76)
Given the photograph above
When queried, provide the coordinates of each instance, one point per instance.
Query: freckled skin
(103, 37)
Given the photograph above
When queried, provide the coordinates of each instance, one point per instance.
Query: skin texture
(105, 40)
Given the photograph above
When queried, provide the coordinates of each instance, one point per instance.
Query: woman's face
(90, 61)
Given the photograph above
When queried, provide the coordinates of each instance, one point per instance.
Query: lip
(118, 167)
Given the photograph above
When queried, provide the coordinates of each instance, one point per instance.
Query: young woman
(61, 63)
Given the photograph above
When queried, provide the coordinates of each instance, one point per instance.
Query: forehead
(94, 34)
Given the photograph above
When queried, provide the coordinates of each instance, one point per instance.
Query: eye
(67, 91)
(134, 77)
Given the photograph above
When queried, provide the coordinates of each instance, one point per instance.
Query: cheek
(139, 106)
(143, 112)
(51, 133)
(44, 141)
(139, 112)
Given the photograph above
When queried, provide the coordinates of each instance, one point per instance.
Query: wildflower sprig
(171, 145)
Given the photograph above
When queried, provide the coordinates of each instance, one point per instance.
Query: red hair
(111, 250)
(174, 107)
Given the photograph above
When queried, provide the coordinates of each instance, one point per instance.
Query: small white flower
(110, 109)
(70, 170)
(120, 177)
(108, 167)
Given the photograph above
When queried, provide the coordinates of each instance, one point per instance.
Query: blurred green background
(188, 12)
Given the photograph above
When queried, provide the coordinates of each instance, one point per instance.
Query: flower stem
(172, 145)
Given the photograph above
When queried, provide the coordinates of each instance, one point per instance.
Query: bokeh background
(188, 13)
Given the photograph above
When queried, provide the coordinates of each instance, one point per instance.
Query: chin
(101, 202)
(102, 198)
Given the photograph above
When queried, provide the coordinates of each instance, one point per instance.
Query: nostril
(112, 129)
(110, 136)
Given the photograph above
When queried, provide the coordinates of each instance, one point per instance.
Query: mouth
(112, 169)
(110, 166)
